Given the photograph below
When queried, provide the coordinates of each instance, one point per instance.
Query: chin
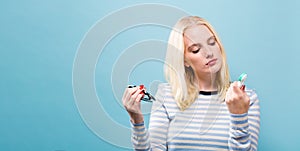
(214, 69)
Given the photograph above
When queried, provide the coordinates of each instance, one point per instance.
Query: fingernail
(243, 87)
(142, 96)
(142, 87)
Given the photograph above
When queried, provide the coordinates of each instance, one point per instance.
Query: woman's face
(202, 52)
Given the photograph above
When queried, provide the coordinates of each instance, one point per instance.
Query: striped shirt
(205, 125)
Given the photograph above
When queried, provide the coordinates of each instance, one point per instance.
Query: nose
(207, 53)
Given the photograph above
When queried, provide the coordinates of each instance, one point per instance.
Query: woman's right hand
(132, 103)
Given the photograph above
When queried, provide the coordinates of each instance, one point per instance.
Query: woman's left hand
(236, 99)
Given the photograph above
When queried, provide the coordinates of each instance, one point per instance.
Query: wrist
(136, 118)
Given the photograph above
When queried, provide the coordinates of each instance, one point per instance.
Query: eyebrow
(198, 44)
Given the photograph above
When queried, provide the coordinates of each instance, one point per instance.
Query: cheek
(217, 48)
(220, 62)
(217, 52)
(219, 55)
(196, 59)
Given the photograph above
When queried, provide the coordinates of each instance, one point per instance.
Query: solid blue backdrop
(39, 41)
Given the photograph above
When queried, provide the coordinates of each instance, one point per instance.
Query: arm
(140, 137)
(244, 128)
(156, 137)
(244, 118)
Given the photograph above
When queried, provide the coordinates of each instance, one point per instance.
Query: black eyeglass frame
(147, 96)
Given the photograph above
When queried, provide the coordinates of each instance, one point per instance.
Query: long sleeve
(169, 131)
(140, 137)
(156, 137)
(244, 128)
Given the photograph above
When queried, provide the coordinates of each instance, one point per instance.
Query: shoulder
(164, 86)
(164, 89)
(164, 93)
(165, 98)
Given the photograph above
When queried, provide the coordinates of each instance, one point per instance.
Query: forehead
(197, 34)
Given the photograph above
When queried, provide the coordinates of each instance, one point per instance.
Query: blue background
(38, 44)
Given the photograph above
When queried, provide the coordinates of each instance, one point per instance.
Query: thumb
(236, 88)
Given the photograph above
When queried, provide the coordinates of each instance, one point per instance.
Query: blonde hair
(181, 78)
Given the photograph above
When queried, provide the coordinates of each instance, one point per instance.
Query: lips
(211, 62)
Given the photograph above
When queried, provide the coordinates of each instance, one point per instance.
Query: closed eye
(195, 48)
(211, 41)
(196, 51)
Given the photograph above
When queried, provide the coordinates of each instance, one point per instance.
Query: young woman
(199, 108)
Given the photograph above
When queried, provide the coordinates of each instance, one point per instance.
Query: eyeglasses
(147, 96)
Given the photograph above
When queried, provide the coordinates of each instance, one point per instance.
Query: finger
(229, 93)
(135, 101)
(239, 84)
(128, 94)
(230, 88)
(130, 102)
(132, 97)
(124, 95)
(238, 93)
(132, 90)
(235, 83)
(236, 89)
(134, 104)
(139, 98)
(227, 96)
(136, 93)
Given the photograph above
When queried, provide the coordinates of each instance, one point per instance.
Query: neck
(207, 82)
